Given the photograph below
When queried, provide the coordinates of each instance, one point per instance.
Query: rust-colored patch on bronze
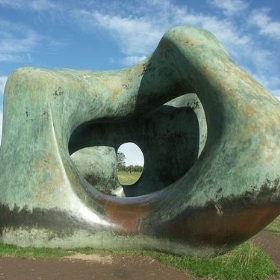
(228, 226)
(127, 216)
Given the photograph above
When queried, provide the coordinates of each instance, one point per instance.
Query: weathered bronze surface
(208, 131)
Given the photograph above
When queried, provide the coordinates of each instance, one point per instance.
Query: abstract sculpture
(212, 169)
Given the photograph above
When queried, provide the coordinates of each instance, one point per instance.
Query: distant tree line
(129, 168)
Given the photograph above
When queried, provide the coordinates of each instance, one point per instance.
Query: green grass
(274, 226)
(245, 262)
(126, 178)
(11, 250)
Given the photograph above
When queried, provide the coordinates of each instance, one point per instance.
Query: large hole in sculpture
(130, 163)
(171, 137)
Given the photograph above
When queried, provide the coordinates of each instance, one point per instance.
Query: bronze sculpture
(211, 177)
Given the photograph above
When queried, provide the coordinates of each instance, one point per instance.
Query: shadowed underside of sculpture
(211, 177)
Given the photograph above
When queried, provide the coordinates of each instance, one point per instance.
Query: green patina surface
(208, 131)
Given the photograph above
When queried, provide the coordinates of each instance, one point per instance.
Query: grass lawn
(127, 178)
(274, 226)
(245, 262)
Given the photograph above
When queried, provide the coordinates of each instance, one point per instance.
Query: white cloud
(277, 93)
(135, 36)
(130, 32)
(43, 5)
(131, 60)
(36, 5)
(230, 7)
(265, 24)
(137, 26)
(258, 62)
(16, 42)
(138, 35)
(272, 83)
(226, 31)
(138, 31)
(262, 57)
(15, 3)
(3, 80)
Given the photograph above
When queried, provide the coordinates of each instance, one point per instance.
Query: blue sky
(108, 34)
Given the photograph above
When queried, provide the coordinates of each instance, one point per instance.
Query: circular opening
(130, 163)
(172, 136)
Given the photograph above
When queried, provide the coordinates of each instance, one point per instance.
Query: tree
(121, 161)
(134, 168)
